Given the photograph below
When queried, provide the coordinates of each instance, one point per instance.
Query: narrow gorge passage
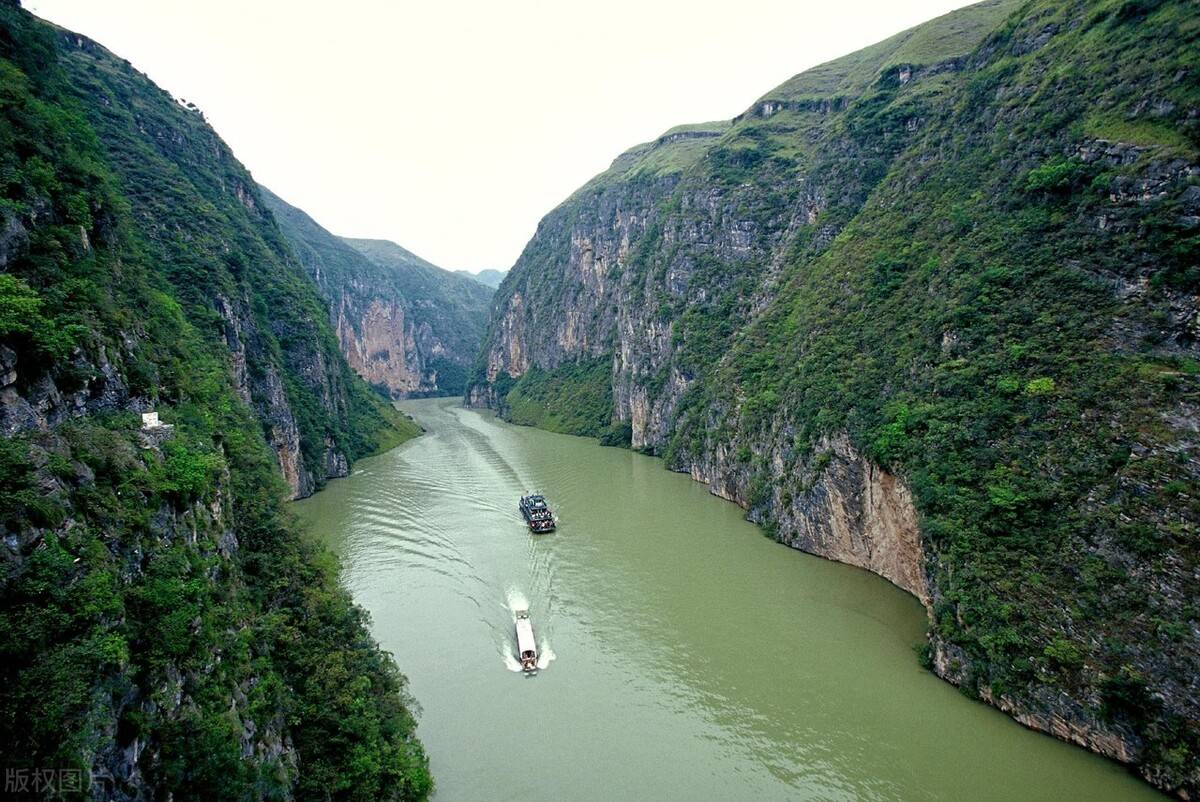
(695, 658)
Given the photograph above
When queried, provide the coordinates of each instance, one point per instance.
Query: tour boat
(537, 513)
(526, 645)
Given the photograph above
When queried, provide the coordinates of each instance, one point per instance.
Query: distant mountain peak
(487, 277)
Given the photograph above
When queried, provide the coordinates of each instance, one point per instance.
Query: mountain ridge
(489, 277)
(928, 309)
(165, 629)
(406, 326)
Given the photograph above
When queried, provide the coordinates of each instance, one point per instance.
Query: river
(686, 656)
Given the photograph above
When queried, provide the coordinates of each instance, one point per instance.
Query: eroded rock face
(693, 269)
(265, 390)
(32, 400)
(13, 237)
(381, 347)
(511, 358)
(406, 326)
(857, 513)
(847, 509)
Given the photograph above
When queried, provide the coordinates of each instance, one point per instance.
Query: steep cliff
(202, 222)
(929, 309)
(164, 631)
(407, 327)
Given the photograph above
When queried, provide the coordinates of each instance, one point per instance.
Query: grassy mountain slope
(940, 41)
(431, 288)
(490, 278)
(408, 327)
(966, 258)
(210, 236)
(162, 626)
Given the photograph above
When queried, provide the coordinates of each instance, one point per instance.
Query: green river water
(686, 656)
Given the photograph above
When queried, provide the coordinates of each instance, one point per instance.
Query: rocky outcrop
(841, 311)
(407, 327)
(837, 505)
(854, 512)
(381, 347)
(32, 400)
(264, 388)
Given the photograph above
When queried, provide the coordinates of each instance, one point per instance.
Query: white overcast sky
(452, 127)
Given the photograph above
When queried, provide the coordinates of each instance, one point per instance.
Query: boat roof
(525, 640)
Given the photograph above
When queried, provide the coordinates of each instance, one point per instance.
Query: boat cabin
(537, 512)
(526, 644)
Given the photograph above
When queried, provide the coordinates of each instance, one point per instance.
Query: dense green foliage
(969, 343)
(973, 249)
(575, 398)
(155, 599)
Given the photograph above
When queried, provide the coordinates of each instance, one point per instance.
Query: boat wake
(546, 655)
(515, 600)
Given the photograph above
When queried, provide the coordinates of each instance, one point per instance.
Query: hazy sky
(452, 127)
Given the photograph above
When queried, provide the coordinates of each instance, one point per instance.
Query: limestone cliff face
(799, 310)
(849, 510)
(405, 326)
(381, 348)
(264, 389)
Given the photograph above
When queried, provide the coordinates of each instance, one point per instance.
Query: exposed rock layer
(163, 629)
(706, 268)
(407, 327)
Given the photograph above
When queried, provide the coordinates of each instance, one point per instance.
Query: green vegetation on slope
(574, 398)
(161, 624)
(950, 36)
(669, 154)
(972, 344)
(981, 268)
(204, 228)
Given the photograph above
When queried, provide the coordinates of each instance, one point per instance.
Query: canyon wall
(929, 309)
(165, 631)
(407, 327)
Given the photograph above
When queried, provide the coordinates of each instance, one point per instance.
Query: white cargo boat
(526, 645)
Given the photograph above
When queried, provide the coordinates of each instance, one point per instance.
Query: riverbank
(694, 657)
